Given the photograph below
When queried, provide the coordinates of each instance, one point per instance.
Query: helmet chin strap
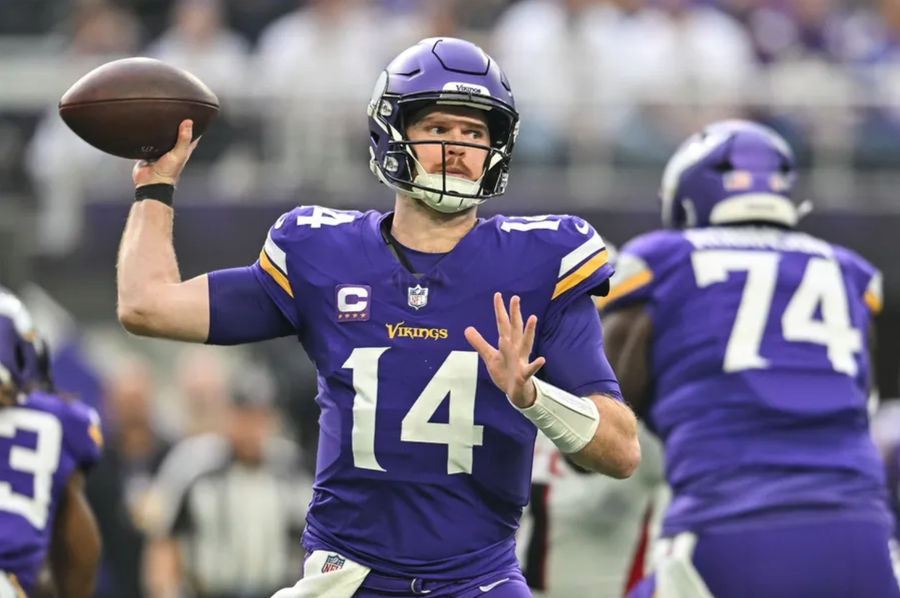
(445, 203)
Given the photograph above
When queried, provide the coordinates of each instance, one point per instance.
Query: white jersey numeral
(710, 267)
(526, 223)
(454, 378)
(40, 463)
(325, 216)
(456, 381)
(364, 363)
(822, 287)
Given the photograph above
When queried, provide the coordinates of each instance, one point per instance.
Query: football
(132, 107)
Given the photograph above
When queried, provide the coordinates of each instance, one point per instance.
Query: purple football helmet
(19, 367)
(732, 171)
(447, 71)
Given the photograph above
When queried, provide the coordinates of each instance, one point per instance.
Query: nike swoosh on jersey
(491, 586)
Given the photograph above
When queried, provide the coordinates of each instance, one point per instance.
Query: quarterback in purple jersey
(46, 444)
(743, 342)
(425, 444)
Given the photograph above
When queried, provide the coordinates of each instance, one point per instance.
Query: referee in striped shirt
(230, 509)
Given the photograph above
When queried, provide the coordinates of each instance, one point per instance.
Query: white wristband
(567, 420)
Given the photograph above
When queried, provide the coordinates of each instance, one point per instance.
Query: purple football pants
(506, 583)
(829, 559)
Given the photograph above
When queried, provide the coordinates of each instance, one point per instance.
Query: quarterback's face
(453, 124)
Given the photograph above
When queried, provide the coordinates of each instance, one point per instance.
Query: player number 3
(40, 462)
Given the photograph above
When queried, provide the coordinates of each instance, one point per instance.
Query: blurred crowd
(209, 503)
(604, 85)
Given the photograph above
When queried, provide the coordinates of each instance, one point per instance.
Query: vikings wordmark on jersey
(423, 465)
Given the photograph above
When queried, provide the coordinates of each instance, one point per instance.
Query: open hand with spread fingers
(508, 363)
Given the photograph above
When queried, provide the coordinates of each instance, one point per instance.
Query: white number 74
(822, 285)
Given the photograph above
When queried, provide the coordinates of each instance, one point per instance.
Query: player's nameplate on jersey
(418, 297)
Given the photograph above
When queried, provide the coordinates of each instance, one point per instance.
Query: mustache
(457, 168)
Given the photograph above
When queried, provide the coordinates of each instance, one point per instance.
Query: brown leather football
(132, 107)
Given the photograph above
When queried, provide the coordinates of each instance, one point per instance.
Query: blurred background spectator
(118, 488)
(231, 505)
(605, 88)
(61, 165)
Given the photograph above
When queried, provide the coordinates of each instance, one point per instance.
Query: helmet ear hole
(724, 166)
(20, 357)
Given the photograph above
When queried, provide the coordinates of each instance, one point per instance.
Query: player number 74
(822, 286)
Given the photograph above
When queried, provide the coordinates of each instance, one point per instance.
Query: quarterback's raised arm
(152, 298)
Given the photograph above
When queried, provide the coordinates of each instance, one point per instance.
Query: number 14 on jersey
(456, 379)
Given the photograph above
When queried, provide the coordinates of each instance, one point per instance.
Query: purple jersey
(892, 465)
(42, 441)
(760, 372)
(423, 465)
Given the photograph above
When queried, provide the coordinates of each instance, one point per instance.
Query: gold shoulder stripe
(873, 301)
(581, 274)
(276, 275)
(96, 435)
(14, 582)
(632, 283)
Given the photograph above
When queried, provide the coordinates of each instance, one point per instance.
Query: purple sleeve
(572, 343)
(893, 480)
(241, 311)
(83, 438)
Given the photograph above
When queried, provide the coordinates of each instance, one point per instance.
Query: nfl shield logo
(332, 563)
(417, 296)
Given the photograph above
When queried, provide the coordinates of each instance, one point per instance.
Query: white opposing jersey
(581, 530)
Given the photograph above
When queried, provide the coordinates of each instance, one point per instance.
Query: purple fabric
(754, 443)
(58, 434)
(240, 309)
(514, 586)
(825, 559)
(419, 260)
(388, 496)
(572, 344)
(892, 464)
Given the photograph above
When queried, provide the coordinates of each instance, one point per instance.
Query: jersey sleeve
(637, 267)
(297, 246)
(272, 268)
(572, 344)
(581, 264)
(874, 294)
(241, 310)
(864, 279)
(83, 436)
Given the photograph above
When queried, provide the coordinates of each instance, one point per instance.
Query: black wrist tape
(160, 192)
